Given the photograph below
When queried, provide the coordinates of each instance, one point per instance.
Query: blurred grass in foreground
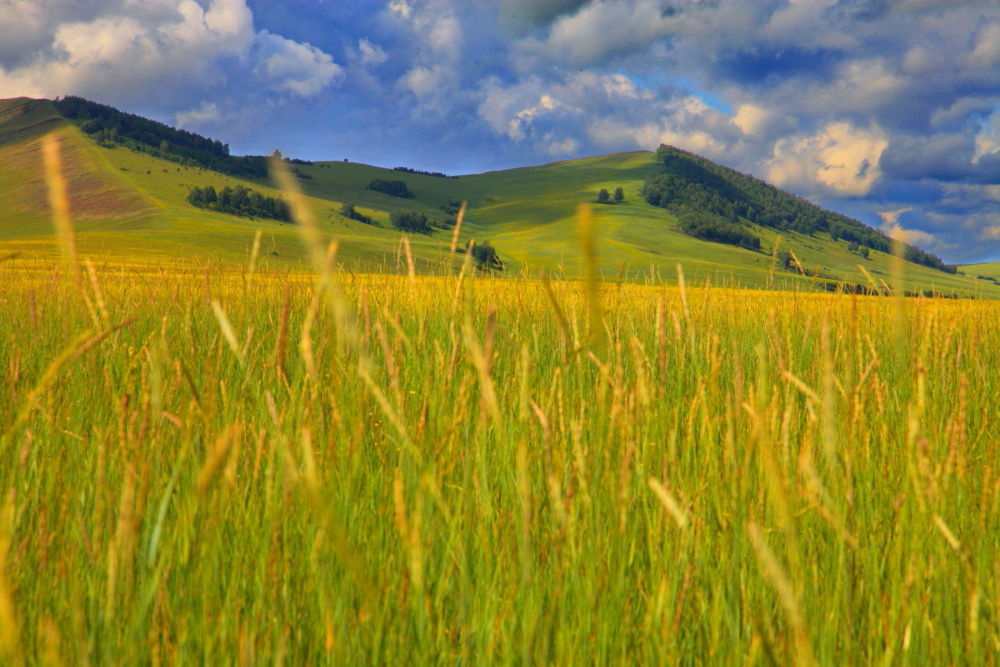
(237, 467)
(249, 466)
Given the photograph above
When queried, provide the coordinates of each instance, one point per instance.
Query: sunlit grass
(241, 464)
(737, 476)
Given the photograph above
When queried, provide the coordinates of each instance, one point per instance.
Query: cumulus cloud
(370, 54)
(991, 233)
(751, 118)
(988, 138)
(602, 28)
(300, 69)
(839, 160)
(894, 230)
(206, 113)
(173, 53)
(582, 103)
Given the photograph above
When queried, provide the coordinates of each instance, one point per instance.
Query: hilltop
(130, 180)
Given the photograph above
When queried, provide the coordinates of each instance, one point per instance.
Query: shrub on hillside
(240, 201)
(410, 221)
(708, 227)
(485, 255)
(348, 211)
(392, 188)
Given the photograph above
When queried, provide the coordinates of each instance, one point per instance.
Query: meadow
(255, 465)
(132, 207)
(222, 463)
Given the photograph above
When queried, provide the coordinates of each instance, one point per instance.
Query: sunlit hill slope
(129, 204)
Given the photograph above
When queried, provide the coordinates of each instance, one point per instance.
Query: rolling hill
(129, 193)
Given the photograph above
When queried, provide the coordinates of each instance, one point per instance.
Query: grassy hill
(129, 205)
(989, 269)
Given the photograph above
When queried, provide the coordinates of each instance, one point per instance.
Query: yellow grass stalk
(684, 295)
(122, 545)
(305, 338)
(408, 525)
(460, 281)
(410, 268)
(227, 330)
(458, 229)
(946, 532)
(869, 278)
(217, 457)
(254, 253)
(798, 264)
(390, 364)
(102, 307)
(786, 595)
(560, 316)
(282, 342)
(669, 503)
(801, 386)
(591, 282)
(390, 413)
(479, 360)
(59, 201)
(10, 631)
(312, 238)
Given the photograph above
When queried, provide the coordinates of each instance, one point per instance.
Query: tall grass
(764, 476)
(258, 467)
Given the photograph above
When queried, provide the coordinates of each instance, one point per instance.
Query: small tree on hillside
(485, 255)
(410, 221)
(619, 195)
(603, 196)
(785, 260)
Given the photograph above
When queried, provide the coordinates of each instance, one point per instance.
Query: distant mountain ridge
(106, 124)
(691, 183)
(134, 187)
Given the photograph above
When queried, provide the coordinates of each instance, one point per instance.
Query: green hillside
(131, 206)
(989, 269)
(986, 274)
(129, 203)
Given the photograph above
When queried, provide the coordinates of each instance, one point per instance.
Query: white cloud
(561, 147)
(174, 52)
(601, 28)
(891, 227)
(991, 233)
(751, 118)
(987, 50)
(401, 8)
(532, 108)
(425, 82)
(988, 137)
(370, 54)
(915, 237)
(840, 159)
(300, 69)
(208, 112)
(444, 36)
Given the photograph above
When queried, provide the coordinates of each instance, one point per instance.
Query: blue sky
(888, 110)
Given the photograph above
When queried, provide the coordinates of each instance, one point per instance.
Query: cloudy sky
(887, 110)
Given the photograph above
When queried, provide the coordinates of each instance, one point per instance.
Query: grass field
(130, 207)
(255, 467)
(991, 269)
(206, 462)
